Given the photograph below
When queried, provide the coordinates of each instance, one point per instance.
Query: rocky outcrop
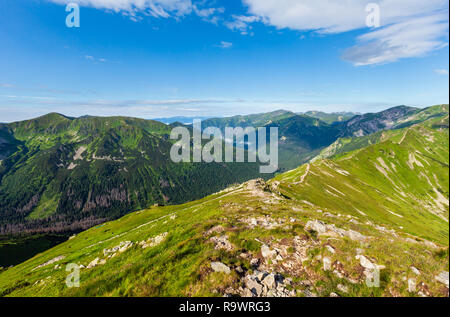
(331, 230)
(122, 247)
(152, 242)
(54, 260)
(369, 267)
(264, 284)
(222, 243)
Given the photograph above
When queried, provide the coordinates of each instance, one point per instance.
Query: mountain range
(62, 174)
(367, 217)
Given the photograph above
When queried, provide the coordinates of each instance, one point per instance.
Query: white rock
(411, 285)
(220, 267)
(254, 286)
(269, 281)
(330, 249)
(93, 263)
(442, 278)
(267, 252)
(326, 264)
(342, 288)
(365, 262)
(317, 226)
(415, 270)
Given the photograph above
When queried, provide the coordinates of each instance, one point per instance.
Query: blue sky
(160, 58)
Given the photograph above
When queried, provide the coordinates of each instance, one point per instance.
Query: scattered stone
(267, 252)
(260, 275)
(94, 263)
(58, 258)
(222, 243)
(442, 278)
(334, 295)
(264, 222)
(254, 286)
(342, 288)
(269, 281)
(369, 267)
(367, 264)
(415, 270)
(263, 284)
(430, 245)
(326, 264)
(316, 225)
(122, 247)
(411, 285)
(152, 242)
(331, 230)
(254, 262)
(330, 249)
(220, 267)
(216, 229)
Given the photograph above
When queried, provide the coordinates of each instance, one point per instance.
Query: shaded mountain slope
(67, 174)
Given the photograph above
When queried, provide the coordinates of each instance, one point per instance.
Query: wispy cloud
(137, 9)
(4, 85)
(224, 44)
(208, 14)
(441, 71)
(155, 8)
(94, 59)
(242, 23)
(409, 28)
(412, 38)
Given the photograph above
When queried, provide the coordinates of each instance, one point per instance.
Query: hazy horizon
(156, 118)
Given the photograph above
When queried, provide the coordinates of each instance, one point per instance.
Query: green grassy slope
(387, 202)
(347, 144)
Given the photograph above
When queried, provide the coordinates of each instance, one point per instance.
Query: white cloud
(441, 71)
(412, 38)
(224, 44)
(410, 28)
(156, 8)
(242, 22)
(92, 58)
(335, 16)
